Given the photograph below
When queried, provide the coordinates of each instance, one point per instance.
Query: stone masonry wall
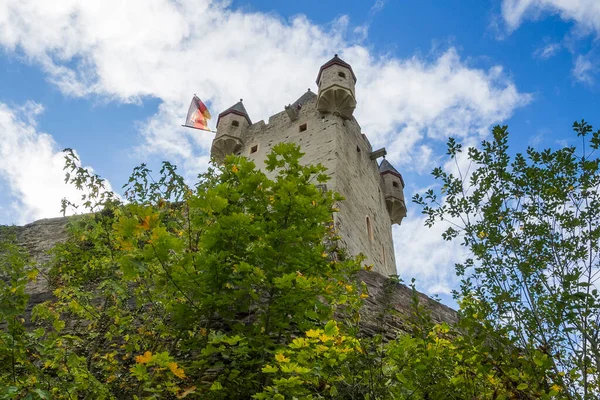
(333, 142)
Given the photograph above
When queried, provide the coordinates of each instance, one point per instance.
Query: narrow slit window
(302, 128)
(235, 123)
(254, 149)
(369, 229)
(342, 75)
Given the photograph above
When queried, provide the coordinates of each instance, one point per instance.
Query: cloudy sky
(112, 79)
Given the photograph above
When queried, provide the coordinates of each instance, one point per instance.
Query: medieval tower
(324, 127)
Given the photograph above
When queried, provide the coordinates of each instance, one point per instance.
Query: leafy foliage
(235, 287)
(532, 224)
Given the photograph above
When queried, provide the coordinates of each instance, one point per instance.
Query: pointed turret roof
(303, 99)
(386, 168)
(239, 109)
(335, 61)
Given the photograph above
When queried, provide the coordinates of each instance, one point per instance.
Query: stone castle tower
(326, 130)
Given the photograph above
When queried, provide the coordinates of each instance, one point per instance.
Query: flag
(197, 115)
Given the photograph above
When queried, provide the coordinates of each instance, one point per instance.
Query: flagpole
(200, 129)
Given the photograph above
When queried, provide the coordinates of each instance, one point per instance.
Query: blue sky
(112, 80)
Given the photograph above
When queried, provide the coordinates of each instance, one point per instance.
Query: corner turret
(336, 82)
(393, 191)
(231, 124)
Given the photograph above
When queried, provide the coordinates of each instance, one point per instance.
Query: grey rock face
(40, 236)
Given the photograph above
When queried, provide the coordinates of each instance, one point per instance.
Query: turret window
(342, 75)
(395, 184)
(235, 123)
(254, 149)
(302, 128)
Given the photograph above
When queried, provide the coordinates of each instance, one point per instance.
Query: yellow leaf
(349, 288)
(481, 235)
(234, 169)
(146, 223)
(144, 359)
(368, 267)
(571, 187)
(281, 358)
(324, 338)
(313, 333)
(177, 371)
(187, 391)
(269, 369)
(364, 295)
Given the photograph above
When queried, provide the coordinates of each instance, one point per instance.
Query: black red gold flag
(197, 115)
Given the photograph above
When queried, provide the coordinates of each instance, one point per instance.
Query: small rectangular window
(341, 75)
(254, 149)
(395, 184)
(302, 128)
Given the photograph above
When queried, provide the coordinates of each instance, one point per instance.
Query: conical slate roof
(303, 99)
(239, 109)
(386, 168)
(335, 61)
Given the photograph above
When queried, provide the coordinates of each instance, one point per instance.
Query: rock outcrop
(40, 236)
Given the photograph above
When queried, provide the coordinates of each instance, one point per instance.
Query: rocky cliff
(384, 295)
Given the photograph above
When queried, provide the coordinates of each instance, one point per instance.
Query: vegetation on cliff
(236, 288)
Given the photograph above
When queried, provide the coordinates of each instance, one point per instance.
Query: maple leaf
(176, 370)
(144, 359)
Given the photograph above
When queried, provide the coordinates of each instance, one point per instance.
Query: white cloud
(423, 255)
(377, 6)
(583, 70)
(585, 13)
(125, 51)
(31, 167)
(547, 51)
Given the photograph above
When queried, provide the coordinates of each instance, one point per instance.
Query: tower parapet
(231, 125)
(393, 191)
(336, 82)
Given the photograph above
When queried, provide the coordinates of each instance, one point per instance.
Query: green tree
(187, 290)
(232, 288)
(532, 224)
